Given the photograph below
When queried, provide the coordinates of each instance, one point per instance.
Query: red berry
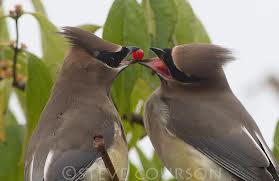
(138, 55)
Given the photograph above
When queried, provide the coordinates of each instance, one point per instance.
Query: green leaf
(153, 168)
(10, 119)
(149, 18)
(4, 34)
(21, 95)
(54, 46)
(172, 179)
(39, 7)
(134, 173)
(157, 161)
(6, 53)
(5, 88)
(276, 142)
(276, 137)
(114, 25)
(142, 90)
(90, 28)
(126, 25)
(123, 87)
(188, 28)
(23, 60)
(135, 31)
(38, 89)
(144, 160)
(10, 152)
(165, 16)
(276, 153)
(201, 34)
(137, 132)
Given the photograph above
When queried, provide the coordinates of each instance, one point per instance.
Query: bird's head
(189, 64)
(101, 60)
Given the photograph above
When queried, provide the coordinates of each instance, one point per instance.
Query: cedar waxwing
(197, 126)
(79, 108)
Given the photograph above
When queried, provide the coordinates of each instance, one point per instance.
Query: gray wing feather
(70, 165)
(72, 145)
(234, 148)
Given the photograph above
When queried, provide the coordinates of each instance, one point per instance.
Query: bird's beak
(125, 62)
(132, 49)
(157, 64)
(159, 52)
(147, 62)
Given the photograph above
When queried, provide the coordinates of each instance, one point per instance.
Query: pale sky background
(250, 28)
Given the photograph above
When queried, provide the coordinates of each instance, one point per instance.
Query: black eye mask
(175, 72)
(112, 59)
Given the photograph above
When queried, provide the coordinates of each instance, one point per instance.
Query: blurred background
(250, 28)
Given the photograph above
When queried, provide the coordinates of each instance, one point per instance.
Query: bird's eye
(96, 53)
(111, 58)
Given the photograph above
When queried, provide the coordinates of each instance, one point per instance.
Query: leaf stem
(16, 51)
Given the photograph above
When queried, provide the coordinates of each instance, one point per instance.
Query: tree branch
(101, 148)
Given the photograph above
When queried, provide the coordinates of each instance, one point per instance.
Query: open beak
(148, 62)
(157, 66)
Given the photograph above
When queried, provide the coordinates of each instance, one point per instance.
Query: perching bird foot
(99, 144)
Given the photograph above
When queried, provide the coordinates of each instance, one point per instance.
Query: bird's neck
(85, 79)
(81, 85)
(216, 83)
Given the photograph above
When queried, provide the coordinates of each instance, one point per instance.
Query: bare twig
(16, 14)
(99, 143)
(16, 84)
(15, 53)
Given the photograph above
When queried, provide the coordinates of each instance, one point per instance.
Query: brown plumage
(195, 121)
(86, 41)
(78, 109)
(201, 59)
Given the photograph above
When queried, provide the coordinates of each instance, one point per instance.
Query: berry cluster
(6, 70)
(17, 12)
